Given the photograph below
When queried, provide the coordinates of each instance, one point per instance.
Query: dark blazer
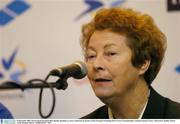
(158, 107)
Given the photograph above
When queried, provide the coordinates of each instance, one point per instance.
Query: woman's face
(108, 60)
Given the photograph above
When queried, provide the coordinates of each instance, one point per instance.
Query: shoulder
(160, 107)
(4, 112)
(100, 113)
(172, 109)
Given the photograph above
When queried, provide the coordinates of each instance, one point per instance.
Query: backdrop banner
(37, 36)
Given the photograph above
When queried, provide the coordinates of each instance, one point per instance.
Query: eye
(90, 56)
(111, 53)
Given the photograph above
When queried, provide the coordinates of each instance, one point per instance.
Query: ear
(144, 67)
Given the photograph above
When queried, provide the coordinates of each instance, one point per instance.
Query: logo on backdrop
(96, 4)
(173, 5)
(12, 10)
(178, 69)
(12, 68)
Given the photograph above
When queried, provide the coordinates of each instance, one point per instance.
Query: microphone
(76, 70)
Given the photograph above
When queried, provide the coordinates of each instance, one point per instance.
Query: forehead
(107, 38)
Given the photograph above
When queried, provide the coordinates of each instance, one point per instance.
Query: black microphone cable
(40, 96)
(40, 99)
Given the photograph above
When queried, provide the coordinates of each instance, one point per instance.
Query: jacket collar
(155, 106)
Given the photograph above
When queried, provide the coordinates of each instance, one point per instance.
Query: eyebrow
(106, 46)
(109, 45)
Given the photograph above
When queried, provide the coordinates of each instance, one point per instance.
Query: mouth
(100, 80)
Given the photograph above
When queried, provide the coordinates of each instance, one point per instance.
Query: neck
(131, 103)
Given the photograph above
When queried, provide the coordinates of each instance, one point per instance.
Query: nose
(98, 64)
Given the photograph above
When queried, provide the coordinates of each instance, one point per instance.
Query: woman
(123, 51)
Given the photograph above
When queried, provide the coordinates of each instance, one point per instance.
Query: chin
(103, 94)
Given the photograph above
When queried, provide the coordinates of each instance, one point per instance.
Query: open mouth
(102, 80)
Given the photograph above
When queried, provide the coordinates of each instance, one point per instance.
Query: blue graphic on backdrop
(12, 10)
(14, 67)
(7, 63)
(178, 69)
(95, 4)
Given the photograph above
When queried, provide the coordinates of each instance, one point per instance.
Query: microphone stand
(59, 84)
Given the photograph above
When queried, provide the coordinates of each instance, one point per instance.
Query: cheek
(123, 71)
(127, 76)
(89, 68)
(116, 68)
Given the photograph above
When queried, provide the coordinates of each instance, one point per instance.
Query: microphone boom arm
(11, 85)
